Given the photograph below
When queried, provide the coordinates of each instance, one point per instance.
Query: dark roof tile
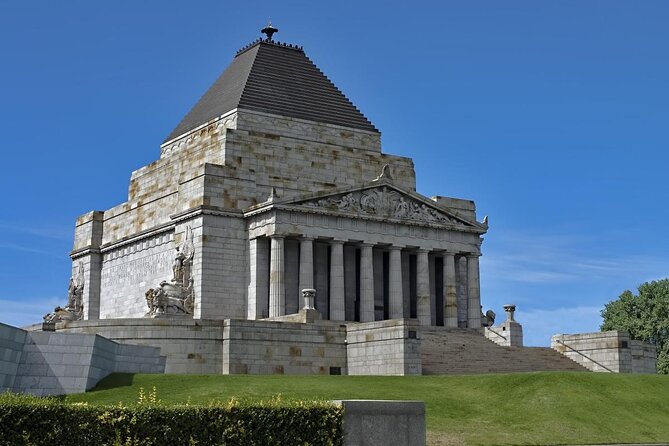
(278, 79)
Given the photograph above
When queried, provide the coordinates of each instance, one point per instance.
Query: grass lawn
(518, 408)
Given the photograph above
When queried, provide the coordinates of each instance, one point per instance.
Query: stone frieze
(383, 202)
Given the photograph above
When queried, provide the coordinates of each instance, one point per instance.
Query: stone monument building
(275, 182)
(274, 236)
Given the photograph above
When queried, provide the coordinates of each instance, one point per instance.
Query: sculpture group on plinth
(177, 296)
(74, 310)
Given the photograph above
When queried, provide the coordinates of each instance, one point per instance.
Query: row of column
(277, 288)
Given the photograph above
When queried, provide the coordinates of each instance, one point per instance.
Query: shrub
(27, 420)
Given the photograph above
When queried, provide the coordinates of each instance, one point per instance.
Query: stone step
(462, 351)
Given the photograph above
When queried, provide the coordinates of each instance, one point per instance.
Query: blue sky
(551, 115)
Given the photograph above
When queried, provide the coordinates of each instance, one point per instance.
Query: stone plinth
(509, 333)
(379, 422)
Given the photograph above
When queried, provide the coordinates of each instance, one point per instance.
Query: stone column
(450, 292)
(258, 290)
(366, 283)
(473, 292)
(277, 285)
(306, 263)
(337, 302)
(423, 288)
(395, 284)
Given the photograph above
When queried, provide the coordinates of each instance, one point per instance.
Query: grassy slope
(523, 408)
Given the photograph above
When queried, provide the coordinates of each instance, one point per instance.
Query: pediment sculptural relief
(383, 202)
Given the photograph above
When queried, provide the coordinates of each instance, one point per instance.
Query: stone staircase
(448, 351)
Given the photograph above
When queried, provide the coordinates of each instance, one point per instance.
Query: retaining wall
(52, 363)
(607, 351)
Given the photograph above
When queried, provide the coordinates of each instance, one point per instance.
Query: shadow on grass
(114, 380)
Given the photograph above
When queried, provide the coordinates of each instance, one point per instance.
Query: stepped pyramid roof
(276, 78)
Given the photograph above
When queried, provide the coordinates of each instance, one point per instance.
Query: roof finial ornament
(386, 174)
(269, 31)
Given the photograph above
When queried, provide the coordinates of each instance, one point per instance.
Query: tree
(645, 316)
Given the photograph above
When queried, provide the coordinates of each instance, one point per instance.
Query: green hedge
(26, 420)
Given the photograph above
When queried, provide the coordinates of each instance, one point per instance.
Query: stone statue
(189, 302)
(176, 297)
(385, 173)
(490, 318)
(178, 267)
(401, 209)
(74, 310)
(58, 314)
(167, 298)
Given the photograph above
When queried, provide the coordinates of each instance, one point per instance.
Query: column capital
(336, 241)
(308, 238)
(277, 236)
(366, 245)
(471, 255)
(394, 248)
(423, 250)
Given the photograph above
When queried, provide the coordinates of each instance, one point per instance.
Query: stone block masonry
(607, 351)
(235, 346)
(52, 363)
(384, 348)
(267, 347)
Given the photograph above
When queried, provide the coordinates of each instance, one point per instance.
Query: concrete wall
(12, 341)
(607, 351)
(387, 347)
(378, 422)
(52, 363)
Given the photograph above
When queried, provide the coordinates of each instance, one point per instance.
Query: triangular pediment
(383, 200)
